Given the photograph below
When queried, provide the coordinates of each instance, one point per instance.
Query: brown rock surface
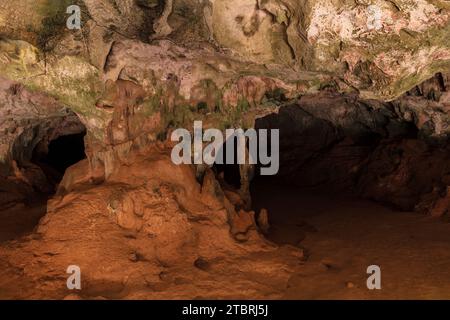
(153, 211)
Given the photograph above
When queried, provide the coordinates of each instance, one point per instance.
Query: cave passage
(356, 188)
(48, 164)
(42, 152)
(62, 153)
(65, 151)
(340, 155)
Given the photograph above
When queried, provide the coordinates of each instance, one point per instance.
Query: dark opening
(229, 172)
(41, 164)
(335, 167)
(65, 151)
(61, 153)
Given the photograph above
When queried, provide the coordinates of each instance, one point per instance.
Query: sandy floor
(20, 220)
(343, 236)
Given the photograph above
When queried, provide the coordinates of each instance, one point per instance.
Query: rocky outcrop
(403, 173)
(155, 221)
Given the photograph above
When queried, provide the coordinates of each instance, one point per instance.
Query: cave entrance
(358, 186)
(42, 152)
(58, 155)
(346, 164)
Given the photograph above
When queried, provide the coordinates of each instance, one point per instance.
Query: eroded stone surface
(141, 236)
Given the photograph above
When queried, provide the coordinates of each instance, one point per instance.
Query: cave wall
(138, 69)
(393, 152)
(299, 46)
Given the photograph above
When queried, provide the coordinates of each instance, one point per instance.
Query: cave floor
(342, 236)
(20, 219)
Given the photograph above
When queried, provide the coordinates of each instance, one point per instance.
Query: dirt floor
(343, 236)
(20, 220)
